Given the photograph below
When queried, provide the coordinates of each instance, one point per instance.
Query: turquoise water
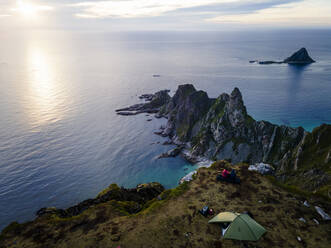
(60, 139)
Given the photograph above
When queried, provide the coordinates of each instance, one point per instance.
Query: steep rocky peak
(236, 93)
(299, 57)
(182, 92)
(235, 108)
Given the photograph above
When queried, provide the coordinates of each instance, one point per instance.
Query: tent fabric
(224, 217)
(244, 227)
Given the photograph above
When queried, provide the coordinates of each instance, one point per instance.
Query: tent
(242, 226)
(224, 217)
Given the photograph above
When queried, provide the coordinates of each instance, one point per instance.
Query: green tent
(244, 228)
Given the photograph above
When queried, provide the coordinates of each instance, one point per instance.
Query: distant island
(300, 57)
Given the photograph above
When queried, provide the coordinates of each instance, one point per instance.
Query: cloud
(153, 8)
(169, 14)
(307, 13)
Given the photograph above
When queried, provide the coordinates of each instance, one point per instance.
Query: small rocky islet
(300, 57)
(287, 203)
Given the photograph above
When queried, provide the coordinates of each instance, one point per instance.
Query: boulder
(188, 177)
(172, 153)
(321, 212)
(264, 169)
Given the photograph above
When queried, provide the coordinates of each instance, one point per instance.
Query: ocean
(61, 141)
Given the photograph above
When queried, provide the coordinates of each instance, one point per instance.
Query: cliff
(222, 129)
(172, 218)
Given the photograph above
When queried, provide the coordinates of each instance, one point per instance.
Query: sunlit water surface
(60, 139)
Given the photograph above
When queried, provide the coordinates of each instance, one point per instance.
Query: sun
(29, 9)
(26, 9)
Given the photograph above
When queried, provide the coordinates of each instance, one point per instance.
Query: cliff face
(221, 128)
(309, 166)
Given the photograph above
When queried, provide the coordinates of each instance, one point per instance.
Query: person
(204, 211)
(233, 175)
(225, 173)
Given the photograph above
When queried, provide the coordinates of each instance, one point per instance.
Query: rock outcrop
(300, 57)
(135, 199)
(222, 129)
(153, 105)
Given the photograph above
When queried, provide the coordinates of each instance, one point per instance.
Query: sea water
(61, 141)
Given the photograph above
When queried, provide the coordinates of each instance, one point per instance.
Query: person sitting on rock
(225, 173)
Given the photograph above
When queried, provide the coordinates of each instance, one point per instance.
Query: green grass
(297, 191)
(165, 196)
(112, 187)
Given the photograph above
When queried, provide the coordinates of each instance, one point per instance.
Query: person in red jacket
(225, 173)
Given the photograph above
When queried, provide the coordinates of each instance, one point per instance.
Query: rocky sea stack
(300, 57)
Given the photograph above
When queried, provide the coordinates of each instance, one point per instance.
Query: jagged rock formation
(222, 129)
(154, 102)
(299, 57)
(135, 198)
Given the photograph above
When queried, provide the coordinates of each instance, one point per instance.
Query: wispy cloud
(174, 13)
(136, 8)
(307, 13)
(152, 8)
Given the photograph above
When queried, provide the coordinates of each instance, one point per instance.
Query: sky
(164, 14)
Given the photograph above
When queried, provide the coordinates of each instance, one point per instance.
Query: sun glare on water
(29, 10)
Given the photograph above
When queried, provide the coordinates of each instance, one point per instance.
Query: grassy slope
(174, 221)
(313, 157)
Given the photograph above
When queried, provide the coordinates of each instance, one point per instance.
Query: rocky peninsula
(221, 128)
(300, 57)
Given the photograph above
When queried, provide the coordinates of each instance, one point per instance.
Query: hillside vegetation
(172, 218)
